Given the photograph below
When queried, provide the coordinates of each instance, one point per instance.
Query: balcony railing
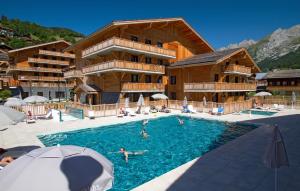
(219, 87)
(47, 61)
(284, 88)
(116, 43)
(8, 81)
(41, 78)
(238, 69)
(34, 69)
(73, 74)
(118, 65)
(142, 87)
(45, 84)
(57, 54)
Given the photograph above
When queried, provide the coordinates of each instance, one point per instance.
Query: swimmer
(181, 122)
(145, 122)
(144, 133)
(127, 153)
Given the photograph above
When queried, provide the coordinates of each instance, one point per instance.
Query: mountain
(281, 49)
(26, 33)
(244, 44)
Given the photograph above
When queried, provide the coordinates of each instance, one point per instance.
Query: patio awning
(88, 89)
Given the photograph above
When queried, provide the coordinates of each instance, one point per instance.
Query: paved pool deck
(236, 165)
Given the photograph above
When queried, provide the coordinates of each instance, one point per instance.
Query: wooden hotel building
(127, 58)
(39, 69)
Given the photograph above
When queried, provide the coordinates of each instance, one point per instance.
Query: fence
(269, 101)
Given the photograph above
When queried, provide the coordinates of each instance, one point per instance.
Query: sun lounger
(185, 109)
(191, 109)
(153, 109)
(220, 110)
(214, 111)
(147, 111)
(130, 112)
(30, 120)
(91, 114)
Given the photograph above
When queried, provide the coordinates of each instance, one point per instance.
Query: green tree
(4, 94)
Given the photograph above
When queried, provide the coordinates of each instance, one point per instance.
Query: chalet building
(127, 58)
(284, 82)
(4, 78)
(38, 69)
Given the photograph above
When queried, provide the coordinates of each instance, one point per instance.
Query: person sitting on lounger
(29, 115)
(181, 122)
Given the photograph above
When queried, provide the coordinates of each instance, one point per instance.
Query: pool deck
(236, 165)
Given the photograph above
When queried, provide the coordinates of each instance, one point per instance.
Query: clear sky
(220, 22)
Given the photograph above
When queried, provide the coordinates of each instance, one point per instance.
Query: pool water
(258, 112)
(168, 146)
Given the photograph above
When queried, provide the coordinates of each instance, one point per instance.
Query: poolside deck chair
(147, 111)
(185, 109)
(130, 112)
(153, 109)
(214, 111)
(91, 114)
(220, 110)
(191, 109)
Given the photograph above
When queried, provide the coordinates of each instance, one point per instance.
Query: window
(40, 94)
(159, 79)
(53, 49)
(35, 56)
(227, 79)
(160, 61)
(148, 60)
(53, 58)
(147, 41)
(134, 77)
(292, 83)
(236, 62)
(284, 83)
(134, 38)
(216, 77)
(46, 74)
(59, 94)
(35, 65)
(36, 74)
(227, 63)
(25, 94)
(159, 44)
(236, 79)
(173, 95)
(134, 58)
(173, 80)
(278, 83)
(148, 78)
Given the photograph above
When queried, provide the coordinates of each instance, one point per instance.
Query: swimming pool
(260, 112)
(168, 146)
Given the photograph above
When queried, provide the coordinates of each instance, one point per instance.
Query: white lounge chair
(30, 120)
(191, 109)
(280, 107)
(214, 111)
(147, 111)
(91, 114)
(130, 112)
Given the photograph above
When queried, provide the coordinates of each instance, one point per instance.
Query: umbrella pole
(276, 180)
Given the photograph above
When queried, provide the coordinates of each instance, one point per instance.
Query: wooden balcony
(57, 54)
(41, 78)
(47, 61)
(8, 81)
(125, 66)
(34, 69)
(121, 44)
(73, 74)
(219, 87)
(142, 87)
(284, 88)
(238, 69)
(46, 84)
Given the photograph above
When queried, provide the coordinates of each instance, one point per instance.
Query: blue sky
(219, 22)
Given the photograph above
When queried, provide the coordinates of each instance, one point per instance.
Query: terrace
(116, 43)
(238, 69)
(41, 78)
(57, 54)
(142, 87)
(219, 87)
(34, 69)
(47, 61)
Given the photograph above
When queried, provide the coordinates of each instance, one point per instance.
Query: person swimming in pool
(181, 122)
(127, 153)
(144, 133)
(145, 122)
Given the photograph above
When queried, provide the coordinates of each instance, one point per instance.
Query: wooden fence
(269, 101)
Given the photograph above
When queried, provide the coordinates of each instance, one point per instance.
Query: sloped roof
(88, 89)
(3, 56)
(143, 21)
(38, 45)
(291, 73)
(212, 57)
(260, 76)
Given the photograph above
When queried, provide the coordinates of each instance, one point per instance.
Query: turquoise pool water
(258, 112)
(169, 145)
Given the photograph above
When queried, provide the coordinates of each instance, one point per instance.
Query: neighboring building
(220, 76)
(6, 32)
(261, 82)
(39, 69)
(5, 80)
(127, 58)
(284, 82)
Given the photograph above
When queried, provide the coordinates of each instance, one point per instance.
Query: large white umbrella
(127, 102)
(141, 101)
(36, 99)
(276, 155)
(159, 96)
(63, 168)
(262, 94)
(12, 101)
(204, 101)
(9, 116)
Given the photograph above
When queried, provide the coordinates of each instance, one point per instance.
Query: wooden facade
(39, 67)
(127, 58)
